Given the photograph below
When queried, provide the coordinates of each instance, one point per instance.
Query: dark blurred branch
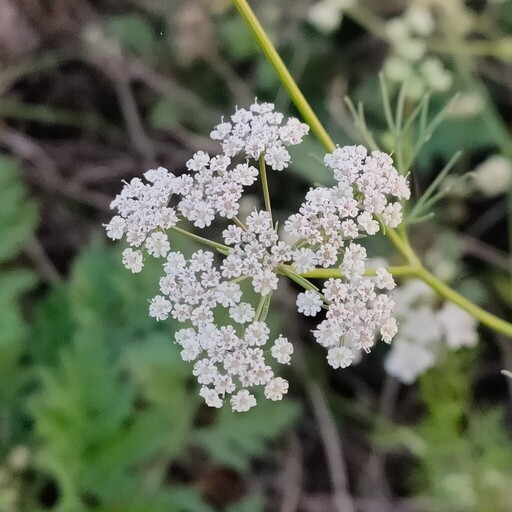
(292, 476)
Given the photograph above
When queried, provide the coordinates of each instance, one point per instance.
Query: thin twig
(292, 477)
(44, 265)
(485, 252)
(133, 121)
(330, 438)
(48, 176)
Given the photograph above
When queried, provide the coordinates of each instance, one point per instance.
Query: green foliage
(93, 436)
(17, 223)
(135, 34)
(115, 406)
(308, 164)
(235, 438)
(464, 454)
(482, 132)
(236, 40)
(115, 410)
(249, 504)
(17, 216)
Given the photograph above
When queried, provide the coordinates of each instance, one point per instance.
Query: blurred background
(97, 410)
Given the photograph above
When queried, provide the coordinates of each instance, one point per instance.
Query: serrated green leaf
(18, 216)
(134, 33)
(165, 114)
(236, 40)
(235, 438)
(92, 436)
(248, 504)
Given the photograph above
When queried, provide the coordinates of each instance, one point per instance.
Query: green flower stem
(288, 271)
(223, 249)
(401, 243)
(326, 273)
(399, 240)
(284, 75)
(239, 223)
(263, 307)
(264, 185)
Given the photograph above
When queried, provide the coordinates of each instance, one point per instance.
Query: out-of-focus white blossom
(425, 331)
(406, 63)
(419, 17)
(468, 104)
(436, 75)
(494, 176)
(459, 326)
(326, 15)
(408, 360)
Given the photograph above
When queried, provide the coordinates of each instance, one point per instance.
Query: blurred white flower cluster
(407, 61)
(493, 176)
(426, 331)
(226, 337)
(326, 15)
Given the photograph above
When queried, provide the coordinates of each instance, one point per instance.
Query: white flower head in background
(426, 332)
(236, 355)
(494, 176)
(406, 61)
(326, 15)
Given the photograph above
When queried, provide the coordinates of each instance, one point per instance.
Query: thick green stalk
(285, 76)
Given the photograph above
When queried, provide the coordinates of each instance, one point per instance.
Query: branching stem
(223, 249)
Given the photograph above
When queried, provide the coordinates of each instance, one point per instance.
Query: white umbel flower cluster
(367, 195)
(259, 131)
(426, 332)
(228, 359)
(230, 356)
(145, 215)
(256, 252)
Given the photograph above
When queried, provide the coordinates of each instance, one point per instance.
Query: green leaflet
(234, 439)
(18, 218)
(116, 407)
